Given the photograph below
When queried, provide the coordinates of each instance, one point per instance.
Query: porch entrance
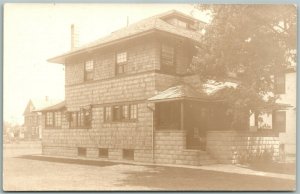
(196, 118)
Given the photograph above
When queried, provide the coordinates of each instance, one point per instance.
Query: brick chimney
(74, 37)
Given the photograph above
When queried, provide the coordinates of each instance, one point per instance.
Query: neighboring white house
(283, 121)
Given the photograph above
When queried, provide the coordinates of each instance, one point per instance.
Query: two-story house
(282, 121)
(130, 96)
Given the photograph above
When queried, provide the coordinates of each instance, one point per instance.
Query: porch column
(181, 115)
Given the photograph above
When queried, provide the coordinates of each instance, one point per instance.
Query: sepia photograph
(149, 97)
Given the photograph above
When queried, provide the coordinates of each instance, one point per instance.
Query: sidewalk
(226, 168)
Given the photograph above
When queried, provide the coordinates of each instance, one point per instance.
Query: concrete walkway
(242, 170)
(226, 168)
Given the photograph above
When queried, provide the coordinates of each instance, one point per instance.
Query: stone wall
(170, 148)
(232, 146)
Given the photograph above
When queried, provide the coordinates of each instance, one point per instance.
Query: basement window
(103, 153)
(81, 151)
(128, 154)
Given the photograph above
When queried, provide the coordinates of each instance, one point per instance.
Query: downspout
(152, 120)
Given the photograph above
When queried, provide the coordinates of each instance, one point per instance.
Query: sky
(34, 33)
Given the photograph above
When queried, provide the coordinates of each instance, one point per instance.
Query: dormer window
(121, 62)
(89, 70)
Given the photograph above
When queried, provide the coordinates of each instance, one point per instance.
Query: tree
(249, 44)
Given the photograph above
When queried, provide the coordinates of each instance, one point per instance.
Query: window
(125, 112)
(121, 66)
(280, 84)
(49, 119)
(133, 111)
(81, 151)
(121, 112)
(107, 113)
(128, 154)
(89, 70)
(279, 121)
(103, 152)
(73, 123)
(57, 119)
(81, 119)
(167, 58)
(117, 113)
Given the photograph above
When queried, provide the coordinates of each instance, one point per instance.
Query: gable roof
(37, 104)
(152, 23)
(57, 106)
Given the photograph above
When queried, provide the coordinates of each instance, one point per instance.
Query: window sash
(125, 112)
(121, 57)
(107, 113)
(167, 55)
(49, 119)
(57, 119)
(89, 66)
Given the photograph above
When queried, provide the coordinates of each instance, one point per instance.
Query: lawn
(25, 172)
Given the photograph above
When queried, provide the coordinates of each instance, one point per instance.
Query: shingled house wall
(141, 82)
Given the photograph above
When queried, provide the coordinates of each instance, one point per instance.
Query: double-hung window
(53, 119)
(49, 119)
(89, 70)
(167, 58)
(118, 113)
(121, 62)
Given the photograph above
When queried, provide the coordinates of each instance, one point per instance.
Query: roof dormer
(181, 20)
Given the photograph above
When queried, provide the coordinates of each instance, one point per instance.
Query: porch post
(181, 115)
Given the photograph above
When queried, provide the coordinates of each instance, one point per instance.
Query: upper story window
(280, 84)
(121, 62)
(167, 58)
(89, 70)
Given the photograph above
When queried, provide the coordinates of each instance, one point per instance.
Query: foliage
(257, 157)
(248, 44)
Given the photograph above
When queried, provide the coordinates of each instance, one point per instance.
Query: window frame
(47, 123)
(89, 73)
(81, 117)
(54, 118)
(118, 114)
(165, 67)
(121, 64)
